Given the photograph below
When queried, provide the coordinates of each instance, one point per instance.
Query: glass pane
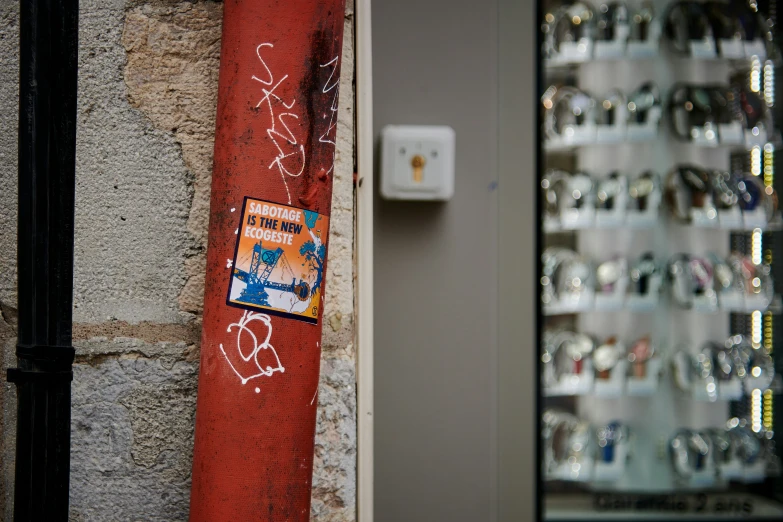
(661, 260)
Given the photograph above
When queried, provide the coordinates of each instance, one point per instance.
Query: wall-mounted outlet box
(417, 162)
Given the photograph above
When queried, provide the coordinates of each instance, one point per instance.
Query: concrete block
(132, 439)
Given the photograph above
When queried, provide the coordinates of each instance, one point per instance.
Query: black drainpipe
(47, 148)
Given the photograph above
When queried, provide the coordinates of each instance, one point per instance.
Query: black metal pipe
(47, 149)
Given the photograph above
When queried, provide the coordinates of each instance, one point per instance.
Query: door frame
(364, 262)
(519, 315)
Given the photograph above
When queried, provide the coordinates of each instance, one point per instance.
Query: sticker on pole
(278, 261)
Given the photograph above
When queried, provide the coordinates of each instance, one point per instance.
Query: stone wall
(147, 94)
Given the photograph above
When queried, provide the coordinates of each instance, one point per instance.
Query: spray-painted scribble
(332, 83)
(292, 162)
(252, 348)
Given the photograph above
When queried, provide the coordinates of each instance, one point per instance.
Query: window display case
(661, 270)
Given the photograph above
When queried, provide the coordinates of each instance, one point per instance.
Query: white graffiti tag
(332, 84)
(248, 353)
(291, 163)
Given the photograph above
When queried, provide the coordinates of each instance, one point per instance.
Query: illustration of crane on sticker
(278, 261)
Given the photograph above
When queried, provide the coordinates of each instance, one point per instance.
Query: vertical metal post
(47, 143)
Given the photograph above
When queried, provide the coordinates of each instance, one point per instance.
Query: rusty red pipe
(266, 260)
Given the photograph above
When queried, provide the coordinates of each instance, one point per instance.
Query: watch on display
(609, 438)
(566, 273)
(567, 440)
(704, 370)
(692, 113)
(607, 191)
(577, 347)
(554, 185)
(754, 279)
(642, 271)
(724, 18)
(723, 360)
(723, 451)
(557, 428)
(741, 354)
(725, 190)
(690, 277)
(745, 444)
(688, 187)
(690, 452)
(579, 192)
(564, 354)
(687, 21)
(641, 20)
(609, 273)
(723, 275)
(580, 443)
(565, 110)
(752, 195)
(754, 366)
(640, 353)
(610, 16)
(551, 259)
(573, 277)
(570, 23)
(606, 357)
(641, 101)
(640, 190)
(549, 352)
(611, 110)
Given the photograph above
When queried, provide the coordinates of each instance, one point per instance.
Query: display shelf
(576, 472)
(573, 385)
(619, 384)
(647, 135)
(609, 505)
(631, 136)
(646, 385)
(735, 52)
(730, 222)
(748, 140)
(647, 304)
(609, 476)
(622, 383)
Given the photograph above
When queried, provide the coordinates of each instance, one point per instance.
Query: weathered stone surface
(132, 439)
(334, 474)
(7, 403)
(189, 333)
(133, 189)
(9, 431)
(96, 350)
(334, 470)
(9, 119)
(173, 52)
(339, 276)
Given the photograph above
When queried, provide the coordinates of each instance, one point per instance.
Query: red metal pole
(271, 199)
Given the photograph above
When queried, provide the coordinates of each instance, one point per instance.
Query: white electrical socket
(417, 162)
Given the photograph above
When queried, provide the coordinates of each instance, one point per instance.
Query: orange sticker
(278, 260)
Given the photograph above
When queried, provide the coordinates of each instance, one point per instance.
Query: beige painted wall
(435, 63)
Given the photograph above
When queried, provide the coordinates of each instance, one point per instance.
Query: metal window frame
(519, 313)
